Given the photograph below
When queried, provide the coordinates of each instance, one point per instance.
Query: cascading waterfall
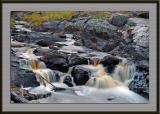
(122, 75)
(44, 75)
(124, 72)
(100, 79)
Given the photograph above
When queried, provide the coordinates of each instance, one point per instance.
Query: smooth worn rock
(80, 75)
(56, 61)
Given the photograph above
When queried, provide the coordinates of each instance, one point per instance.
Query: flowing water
(99, 79)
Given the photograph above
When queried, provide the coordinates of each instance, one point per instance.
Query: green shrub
(37, 18)
(102, 14)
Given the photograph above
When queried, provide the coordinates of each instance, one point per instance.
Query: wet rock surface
(21, 76)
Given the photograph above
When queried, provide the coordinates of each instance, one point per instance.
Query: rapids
(100, 87)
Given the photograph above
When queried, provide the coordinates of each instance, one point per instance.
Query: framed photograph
(87, 56)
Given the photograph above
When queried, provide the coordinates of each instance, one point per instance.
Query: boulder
(74, 59)
(56, 60)
(137, 21)
(118, 19)
(20, 76)
(80, 74)
(99, 44)
(142, 14)
(140, 84)
(50, 25)
(110, 62)
(70, 27)
(141, 36)
(100, 28)
(92, 42)
(127, 51)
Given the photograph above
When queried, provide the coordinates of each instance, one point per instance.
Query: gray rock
(118, 19)
(141, 36)
(138, 21)
(101, 28)
(50, 25)
(99, 44)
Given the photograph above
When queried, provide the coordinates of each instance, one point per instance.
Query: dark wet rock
(92, 42)
(61, 35)
(69, 27)
(76, 24)
(35, 37)
(143, 65)
(80, 75)
(78, 43)
(40, 51)
(61, 61)
(50, 26)
(68, 81)
(56, 61)
(21, 76)
(21, 37)
(26, 78)
(118, 19)
(142, 14)
(43, 43)
(110, 45)
(99, 44)
(74, 59)
(110, 62)
(127, 51)
(140, 84)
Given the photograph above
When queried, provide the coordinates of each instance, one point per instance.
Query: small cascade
(124, 71)
(67, 78)
(31, 64)
(45, 76)
(100, 79)
(70, 70)
(94, 61)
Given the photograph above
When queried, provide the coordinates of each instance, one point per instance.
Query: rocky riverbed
(81, 59)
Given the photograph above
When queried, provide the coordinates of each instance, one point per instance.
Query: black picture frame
(89, 1)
